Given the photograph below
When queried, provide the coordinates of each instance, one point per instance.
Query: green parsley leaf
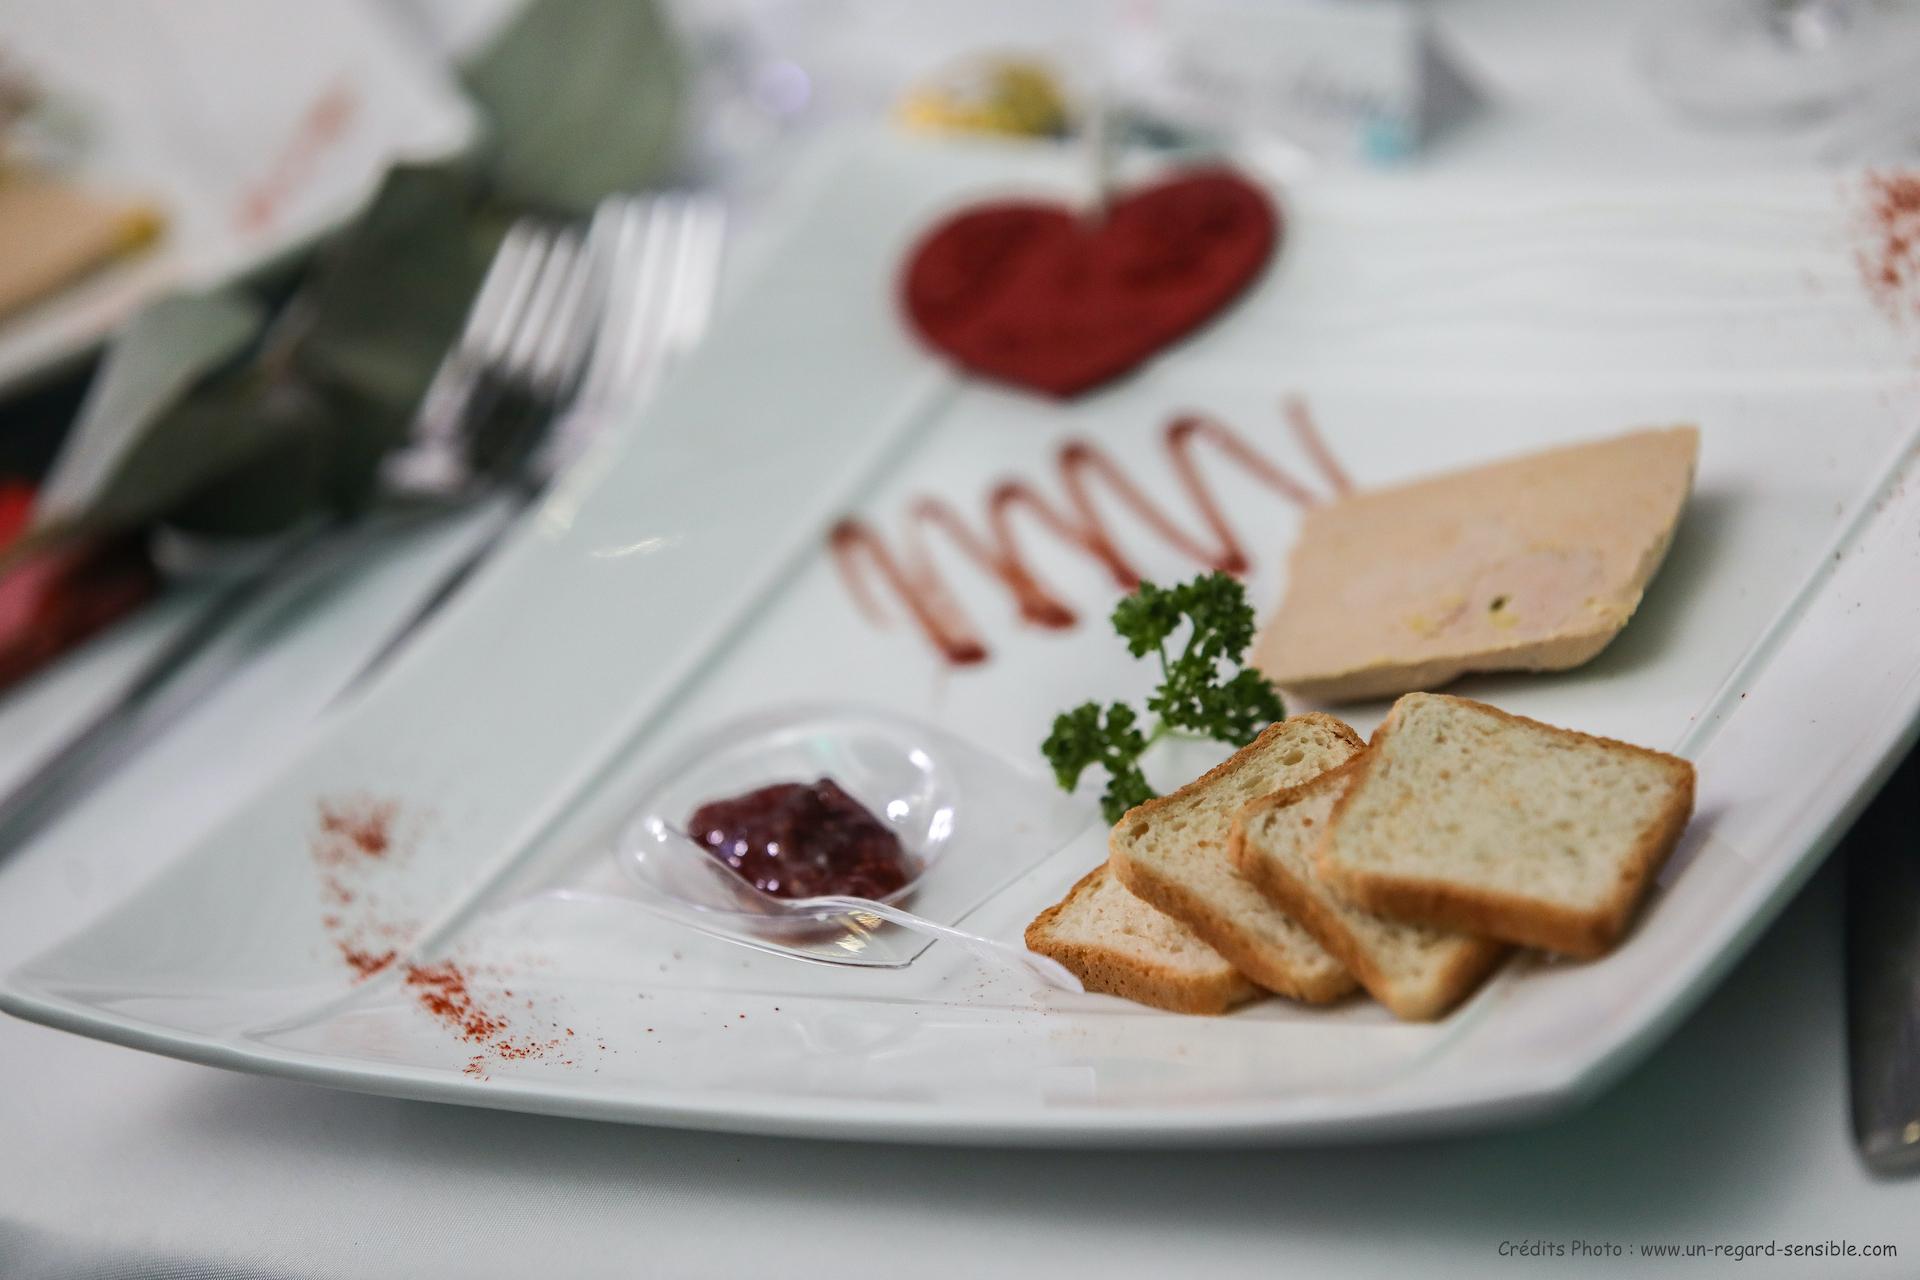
(1147, 617)
(1085, 737)
(1195, 695)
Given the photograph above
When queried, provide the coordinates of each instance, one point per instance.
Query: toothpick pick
(1100, 151)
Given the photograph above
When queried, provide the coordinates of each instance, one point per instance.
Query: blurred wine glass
(1780, 63)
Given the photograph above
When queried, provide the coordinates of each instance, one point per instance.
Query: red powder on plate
(356, 843)
(452, 994)
(352, 837)
(1890, 260)
(443, 991)
(357, 825)
(365, 963)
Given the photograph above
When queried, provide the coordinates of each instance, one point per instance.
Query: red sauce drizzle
(916, 581)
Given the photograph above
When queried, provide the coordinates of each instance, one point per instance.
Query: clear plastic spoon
(863, 915)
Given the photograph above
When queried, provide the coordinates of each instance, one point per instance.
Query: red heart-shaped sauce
(1035, 295)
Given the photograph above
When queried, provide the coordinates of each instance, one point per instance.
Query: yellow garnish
(991, 95)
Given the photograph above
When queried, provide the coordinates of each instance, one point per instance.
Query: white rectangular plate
(681, 579)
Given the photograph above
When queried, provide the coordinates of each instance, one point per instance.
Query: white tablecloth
(115, 1163)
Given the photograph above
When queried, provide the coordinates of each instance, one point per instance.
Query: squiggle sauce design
(915, 580)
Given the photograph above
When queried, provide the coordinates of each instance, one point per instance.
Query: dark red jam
(795, 840)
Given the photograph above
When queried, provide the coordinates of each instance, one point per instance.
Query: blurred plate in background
(252, 128)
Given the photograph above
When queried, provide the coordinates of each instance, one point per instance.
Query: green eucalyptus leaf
(584, 98)
(222, 428)
(381, 312)
(128, 455)
(272, 485)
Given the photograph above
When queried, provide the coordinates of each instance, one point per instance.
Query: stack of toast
(1311, 863)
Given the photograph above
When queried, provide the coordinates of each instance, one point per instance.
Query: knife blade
(1883, 974)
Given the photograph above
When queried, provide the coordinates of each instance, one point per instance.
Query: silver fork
(521, 350)
(657, 265)
(526, 335)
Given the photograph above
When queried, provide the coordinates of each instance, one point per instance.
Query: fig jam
(795, 840)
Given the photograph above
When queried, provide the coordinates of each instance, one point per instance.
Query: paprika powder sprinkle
(365, 963)
(357, 839)
(1890, 262)
(447, 991)
(351, 835)
(357, 826)
(442, 990)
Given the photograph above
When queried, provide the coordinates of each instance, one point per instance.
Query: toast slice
(1416, 971)
(1464, 817)
(1115, 943)
(1173, 853)
(1531, 564)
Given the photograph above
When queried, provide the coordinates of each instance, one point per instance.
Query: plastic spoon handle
(988, 949)
(991, 949)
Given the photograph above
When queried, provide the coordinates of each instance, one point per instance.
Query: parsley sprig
(1193, 698)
